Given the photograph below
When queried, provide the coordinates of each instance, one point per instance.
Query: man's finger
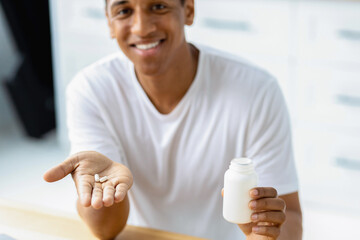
(62, 170)
(108, 195)
(97, 196)
(270, 231)
(263, 192)
(276, 217)
(121, 190)
(272, 204)
(84, 189)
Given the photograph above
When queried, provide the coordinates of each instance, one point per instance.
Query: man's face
(150, 32)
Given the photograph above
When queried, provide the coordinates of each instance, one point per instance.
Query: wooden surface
(22, 222)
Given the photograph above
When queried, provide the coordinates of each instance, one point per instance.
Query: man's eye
(123, 11)
(158, 7)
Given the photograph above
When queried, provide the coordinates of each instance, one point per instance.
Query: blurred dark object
(34, 102)
(31, 89)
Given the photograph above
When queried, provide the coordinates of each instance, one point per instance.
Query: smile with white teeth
(147, 46)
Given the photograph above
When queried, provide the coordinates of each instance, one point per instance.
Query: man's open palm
(83, 166)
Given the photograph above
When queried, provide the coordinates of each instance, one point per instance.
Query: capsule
(104, 179)
(97, 178)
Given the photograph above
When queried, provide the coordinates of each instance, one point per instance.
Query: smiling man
(163, 123)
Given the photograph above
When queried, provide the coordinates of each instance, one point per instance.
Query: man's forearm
(292, 227)
(107, 222)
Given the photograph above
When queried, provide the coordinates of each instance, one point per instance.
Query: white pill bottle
(238, 180)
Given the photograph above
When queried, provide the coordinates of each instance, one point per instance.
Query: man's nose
(143, 24)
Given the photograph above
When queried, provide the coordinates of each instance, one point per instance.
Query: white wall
(9, 58)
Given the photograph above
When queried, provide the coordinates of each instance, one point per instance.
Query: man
(163, 124)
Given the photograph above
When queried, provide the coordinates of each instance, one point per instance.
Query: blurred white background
(312, 47)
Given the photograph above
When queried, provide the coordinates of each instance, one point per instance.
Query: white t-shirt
(178, 160)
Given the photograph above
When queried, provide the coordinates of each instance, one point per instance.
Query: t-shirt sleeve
(87, 128)
(270, 141)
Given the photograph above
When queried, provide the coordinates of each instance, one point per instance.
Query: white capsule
(97, 178)
(104, 179)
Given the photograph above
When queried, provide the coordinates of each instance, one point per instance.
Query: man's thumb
(62, 170)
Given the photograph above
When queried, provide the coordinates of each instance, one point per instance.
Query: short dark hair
(182, 2)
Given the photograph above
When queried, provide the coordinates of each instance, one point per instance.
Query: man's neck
(166, 90)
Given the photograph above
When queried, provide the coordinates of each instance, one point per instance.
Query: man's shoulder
(111, 68)
(236, 69)
(110, 64)
(230, 61)
(101, 75)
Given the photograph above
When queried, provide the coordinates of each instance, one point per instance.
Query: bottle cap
(242, 164)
